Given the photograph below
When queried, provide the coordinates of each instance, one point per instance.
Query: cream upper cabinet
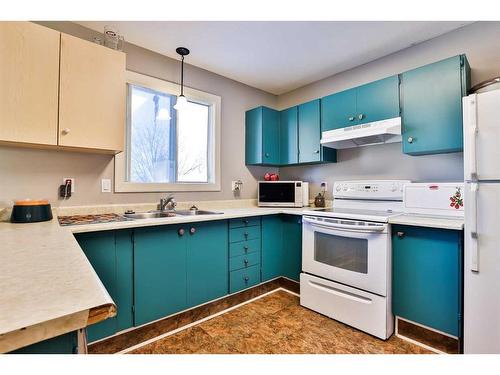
(29, 83)
(92, 96)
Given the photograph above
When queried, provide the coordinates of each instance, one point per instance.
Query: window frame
(193, 95)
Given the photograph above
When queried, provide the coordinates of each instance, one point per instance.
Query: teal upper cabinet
(431, 104)
(207, 261)
(338, 110)
(372, 102)
(378, 100)
(289, 136)
(159, 272)
(262, 136)
(427, 277)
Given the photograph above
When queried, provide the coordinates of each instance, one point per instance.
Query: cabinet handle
(246, 262)
(192, 230)
(361, 116)
(316, 152)
(246, 279)
(351, 118)
(181, 232)
(245, 221)
(66, 131)
(245, 248)
(246, 235)
(267, 154)
(400, 234)
(410, 139)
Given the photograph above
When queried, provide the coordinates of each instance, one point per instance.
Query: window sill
(131, 187)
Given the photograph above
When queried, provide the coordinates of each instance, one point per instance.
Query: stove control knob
(394, 187)
(338, 187)
(344, 187)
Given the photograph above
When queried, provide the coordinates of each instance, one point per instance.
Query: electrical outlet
(105, 185)
(72, 182)
(236, 185)
(324, 185)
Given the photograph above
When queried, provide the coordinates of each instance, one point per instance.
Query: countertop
(48, 287)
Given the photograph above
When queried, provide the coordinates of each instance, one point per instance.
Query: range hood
(372, 133)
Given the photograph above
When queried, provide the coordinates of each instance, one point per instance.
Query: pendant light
(181, 99)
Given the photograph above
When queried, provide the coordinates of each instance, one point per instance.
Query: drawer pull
(245, 234)
(245, 248)
(245, 221)
(246, 262)
(246, 278)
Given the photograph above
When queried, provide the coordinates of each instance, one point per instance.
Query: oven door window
(341, 252)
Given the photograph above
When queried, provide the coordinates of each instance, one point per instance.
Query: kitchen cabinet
(111, 255)
(160, 267)
(262, 142)
(431, 104)
(427, 277)
(29, 72)
(207, 262)
(374, 101)
(289, 141)
(92, 96)
(281, 246)
(63, 344)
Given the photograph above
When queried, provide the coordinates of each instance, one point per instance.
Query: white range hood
(372, 133)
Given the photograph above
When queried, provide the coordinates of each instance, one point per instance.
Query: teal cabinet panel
(253, 136)
(431, 104)
(99, 248)
(292, 246)
(159, 272)
(244, 222)
(338, 110)
(124, 294)
(271, 136)
(244, 247)
(289, 141)
(63, 344)
(427, 277)
(272, 247)
(244, 261)
(309, 132)
(244, 278)
(378, 100)
(244, 234)
(207, 262)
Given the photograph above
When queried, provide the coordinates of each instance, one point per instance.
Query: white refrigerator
(482, 222)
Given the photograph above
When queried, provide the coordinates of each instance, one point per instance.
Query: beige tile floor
(275, 324)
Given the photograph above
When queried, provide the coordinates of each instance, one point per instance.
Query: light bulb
(181, 102)
(163, 114)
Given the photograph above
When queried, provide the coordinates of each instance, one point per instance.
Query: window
(168, 150)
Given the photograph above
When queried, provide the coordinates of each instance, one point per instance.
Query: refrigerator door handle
(471, 137)
(474, 248)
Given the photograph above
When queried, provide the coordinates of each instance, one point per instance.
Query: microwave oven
(283, 194)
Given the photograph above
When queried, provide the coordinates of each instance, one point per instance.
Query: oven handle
(378, 228)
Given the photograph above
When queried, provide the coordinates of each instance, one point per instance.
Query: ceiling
(280, 56)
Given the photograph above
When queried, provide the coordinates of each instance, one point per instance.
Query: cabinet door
(99, 247)
(253, 136)
(124, 294)
(92, 95)
(159, 272)
(338, 110)
(289, 136)
(29, 72)
(207, 261)
(292, 246)
(378, 100)
(427, 274)
(63, 344)
(431, 104)
(309, 132)
(272, 247)
(270, 136)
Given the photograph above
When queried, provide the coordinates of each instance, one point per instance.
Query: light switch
(106, 185)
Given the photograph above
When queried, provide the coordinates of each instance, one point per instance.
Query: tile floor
(275, 323)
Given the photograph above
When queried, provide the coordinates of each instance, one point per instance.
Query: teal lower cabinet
(207, 262)
(110, 253)
(63, 344)
(160, 283)
(281, 246)
(427, 277)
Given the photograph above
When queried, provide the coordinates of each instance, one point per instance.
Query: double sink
(169, 213)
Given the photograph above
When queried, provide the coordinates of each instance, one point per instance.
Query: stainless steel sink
(196, 212)
(149, 214)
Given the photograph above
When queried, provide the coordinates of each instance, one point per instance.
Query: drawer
(244, 247)
(244, 278)
(244, 234)
(244, 261)
(244, 222)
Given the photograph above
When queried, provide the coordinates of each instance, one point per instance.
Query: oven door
(354, 253)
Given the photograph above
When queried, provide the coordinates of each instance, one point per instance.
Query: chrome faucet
(167, 204)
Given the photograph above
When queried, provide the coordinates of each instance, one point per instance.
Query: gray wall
(478, 41)
(38, 173)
